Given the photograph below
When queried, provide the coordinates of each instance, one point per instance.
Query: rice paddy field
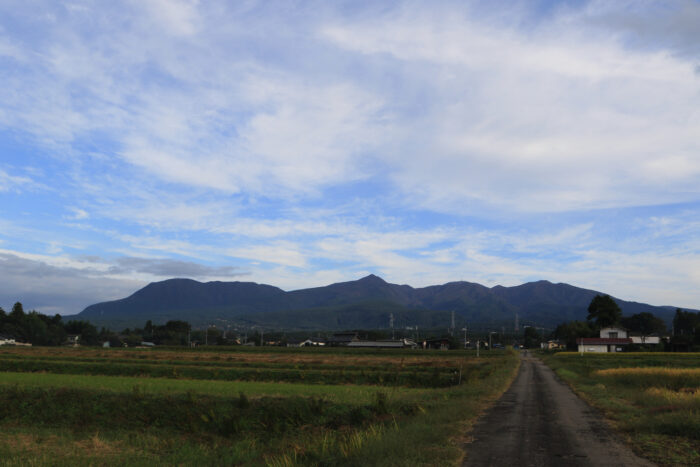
(652, 399)
(242, 406)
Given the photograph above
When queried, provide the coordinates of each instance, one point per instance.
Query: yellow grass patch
(612, 355)
(684, 396)
(650, 372)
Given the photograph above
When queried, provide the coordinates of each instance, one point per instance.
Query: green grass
(52, 417)
(349, 393)
(653, 399)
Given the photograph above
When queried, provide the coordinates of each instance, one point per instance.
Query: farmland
(247, 406)
(652, 399)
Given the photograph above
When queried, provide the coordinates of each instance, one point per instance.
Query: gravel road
(539, 421)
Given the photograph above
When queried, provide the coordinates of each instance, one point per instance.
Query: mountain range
(366, 303)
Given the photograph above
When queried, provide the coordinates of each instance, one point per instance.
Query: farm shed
(342, 338)
(441, 343)
(384, 344)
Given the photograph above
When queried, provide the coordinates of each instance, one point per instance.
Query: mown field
(653, 399)
(242, 406)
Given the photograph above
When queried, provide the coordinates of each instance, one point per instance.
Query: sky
(301, 143)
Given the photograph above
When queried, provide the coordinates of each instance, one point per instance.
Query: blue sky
(304, 143)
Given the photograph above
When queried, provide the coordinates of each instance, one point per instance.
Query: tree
(569, 332)
(644, 323)
(17, 313)
(87, 332)
(604, 311)
(532, 338)
(685, 323)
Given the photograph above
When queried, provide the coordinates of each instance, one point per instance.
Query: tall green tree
(17, 313)
(686, 327)
(603, 311)
(644, 323)
(569, 332)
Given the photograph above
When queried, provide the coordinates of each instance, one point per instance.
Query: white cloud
(78, 214)
(558, 119)
(279, 253)
(14, 182)
(179, 17)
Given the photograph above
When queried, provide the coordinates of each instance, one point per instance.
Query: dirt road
(539, 421)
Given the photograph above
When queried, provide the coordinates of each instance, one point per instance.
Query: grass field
(653, 399)
(61, 406)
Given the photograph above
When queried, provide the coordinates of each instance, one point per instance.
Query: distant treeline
(38, 329)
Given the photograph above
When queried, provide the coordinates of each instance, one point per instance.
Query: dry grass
(57, 447)
(616, 355)
(288, 358)
(683, 396)
(650, 372)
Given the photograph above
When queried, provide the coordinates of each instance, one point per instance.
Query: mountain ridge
(361, 303)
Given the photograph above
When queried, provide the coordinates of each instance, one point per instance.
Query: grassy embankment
(653, 399)
(262, 407)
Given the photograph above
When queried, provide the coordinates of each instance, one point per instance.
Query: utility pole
(391, 324)
(452, 327)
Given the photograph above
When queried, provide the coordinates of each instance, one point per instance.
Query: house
(7, 340)
(310, 342)
(72, 340)
(613, 332)
(612, 339)
(550, 345)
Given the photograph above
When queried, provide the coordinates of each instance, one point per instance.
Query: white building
(613, 332)
(612, 339)
(7, 340)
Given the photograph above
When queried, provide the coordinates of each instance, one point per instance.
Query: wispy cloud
(14, 182)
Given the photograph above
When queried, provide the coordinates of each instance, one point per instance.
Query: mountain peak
(372, 278)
